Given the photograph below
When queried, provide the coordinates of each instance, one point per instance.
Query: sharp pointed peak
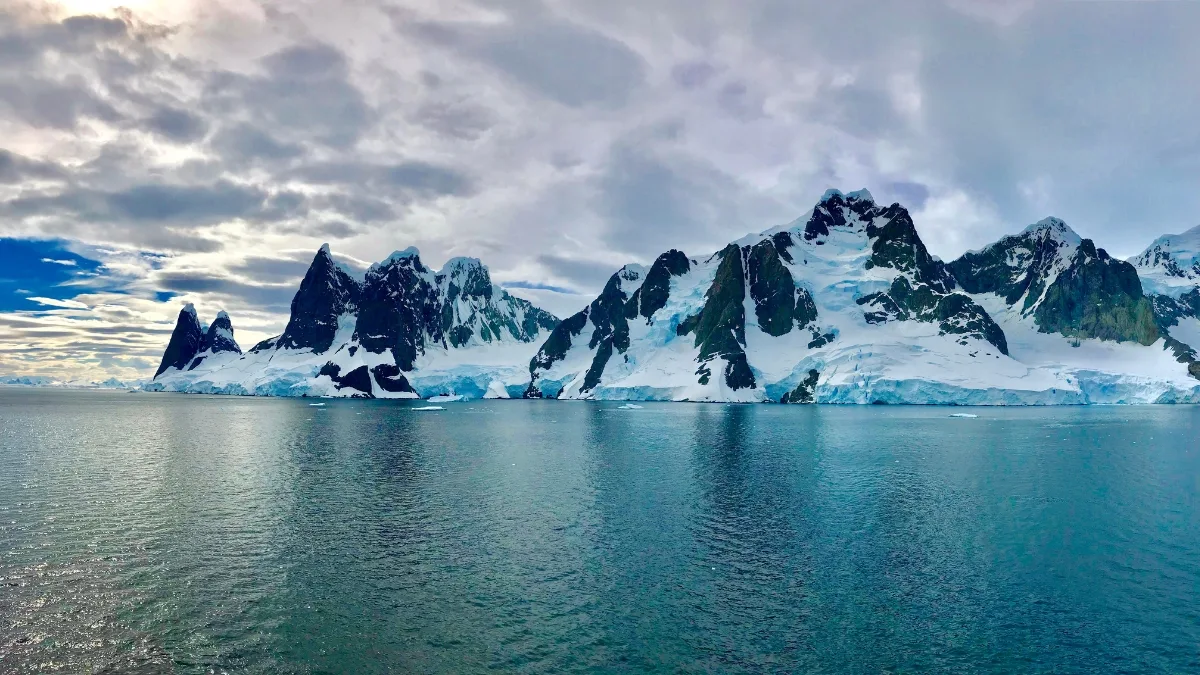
(189, 308)
(324, 249)
(1054, 226)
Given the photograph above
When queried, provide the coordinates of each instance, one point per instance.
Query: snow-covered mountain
(846, 305)
(1171, 265)
(843, 305)
(401, 331)
(43, 381)
(1170, 275)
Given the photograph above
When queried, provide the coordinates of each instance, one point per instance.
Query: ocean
(159, 533)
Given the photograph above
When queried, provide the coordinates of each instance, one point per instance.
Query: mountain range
(843, 305)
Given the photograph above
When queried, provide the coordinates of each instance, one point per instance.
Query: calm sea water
(160, 533)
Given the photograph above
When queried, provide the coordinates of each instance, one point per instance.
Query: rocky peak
(185, 341)
(1021, 265)
(326, 293)
(399, 308)
(837, 210)
(1171, 264)
(466, 277)
(1065, 282)
(219, 337)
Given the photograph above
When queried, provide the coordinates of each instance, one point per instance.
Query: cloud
(305, 90)
(536, 286)
(65, 304)
(405, 179)
(15, 169)
(67, 263)
(275, 297)
(177, 125)
(560, 60)
(204, 161)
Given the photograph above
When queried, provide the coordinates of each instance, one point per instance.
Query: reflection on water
(159, 533)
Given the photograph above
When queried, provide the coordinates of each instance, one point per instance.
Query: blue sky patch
(31, 268)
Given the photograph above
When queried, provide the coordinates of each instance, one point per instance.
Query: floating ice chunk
(630, 406)
(966, 415)
(429, 407)
(316, 405)
(449, 398)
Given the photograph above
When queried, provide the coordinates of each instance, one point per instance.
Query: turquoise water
(161, 533)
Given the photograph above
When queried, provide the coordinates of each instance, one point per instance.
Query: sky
(173, 151)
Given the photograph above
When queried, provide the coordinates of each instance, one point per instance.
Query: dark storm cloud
(269, 297)
(45, 103)
(15, 169)
(161, 204)
(404, 179)
(336, 229)
(359, 208)
(177, 125)
(239, 144)
(273, 270)
(563, 61)
(23, 43)
(305, 90)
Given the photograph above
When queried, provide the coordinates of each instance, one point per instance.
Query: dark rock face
(1016, 266)
(1168, 311)
(778, 302)
(656, 289)
(556, 347)
(185, 342)
(1085, 294)
(720, 327)
(405, 307)
(803, 393)
(219, 337)
(608, 313)
(389, 378)
(925, 290)
(955, 313)
(355, 379)
(834, 211)
(358, 379)
(399, 307)
(1098, 297)
(326, 293)
(897, 245)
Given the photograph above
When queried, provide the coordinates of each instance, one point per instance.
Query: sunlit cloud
(65, 304)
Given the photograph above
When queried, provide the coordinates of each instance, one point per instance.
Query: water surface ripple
(190, 534)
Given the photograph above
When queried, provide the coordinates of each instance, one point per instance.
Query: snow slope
(1171, 265)
(852, 256)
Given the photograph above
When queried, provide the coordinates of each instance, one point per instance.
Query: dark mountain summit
(1067, 284)
(219, 337)
(186, 341)
(326, 293)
